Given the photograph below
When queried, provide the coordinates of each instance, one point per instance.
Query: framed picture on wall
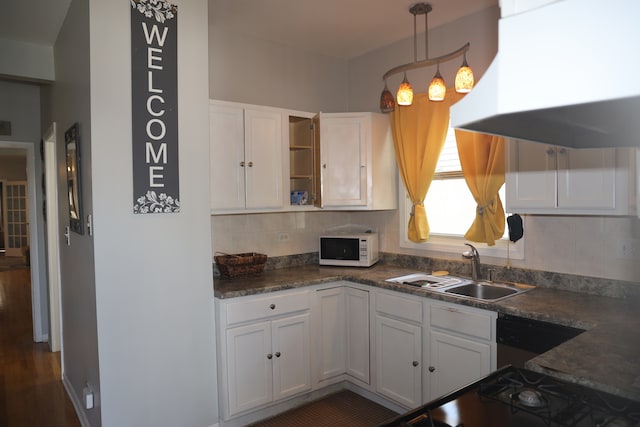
(74, 189)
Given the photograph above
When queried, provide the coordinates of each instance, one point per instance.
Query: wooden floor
(344, 408)
(31, 390)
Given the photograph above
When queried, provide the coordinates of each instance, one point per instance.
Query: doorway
(39, 308)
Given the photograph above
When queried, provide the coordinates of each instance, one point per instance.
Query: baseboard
(76, 401)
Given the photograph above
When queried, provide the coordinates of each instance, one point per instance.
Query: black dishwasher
(520, 339)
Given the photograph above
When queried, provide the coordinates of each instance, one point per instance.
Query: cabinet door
(263, 159)
(531, 178)
(291, 361)
(586, 178)
(250, 375)
(357, 303)
(343, 141)
(226, 134)
(398, 361)
(332, 337)
(456, 362)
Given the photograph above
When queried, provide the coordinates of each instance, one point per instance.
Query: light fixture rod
(426, 62)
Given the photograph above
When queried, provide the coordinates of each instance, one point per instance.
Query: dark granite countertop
(606, 357)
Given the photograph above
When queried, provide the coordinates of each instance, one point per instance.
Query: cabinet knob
(324, 166)
(431, 369)
(269, 356)
(277, 354)
(562, 151)
(415, 363)
(250, 164)
(272, 306)
(550, 151)
(241, 164)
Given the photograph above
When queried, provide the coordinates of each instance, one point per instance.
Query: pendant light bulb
(464, 77)
(387, 103)
(405, 92)
(437, 88)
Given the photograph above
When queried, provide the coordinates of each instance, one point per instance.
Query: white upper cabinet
(246, 157)
(356, 161)
(546, 179)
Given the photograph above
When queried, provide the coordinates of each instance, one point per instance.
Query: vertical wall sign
(154, 99)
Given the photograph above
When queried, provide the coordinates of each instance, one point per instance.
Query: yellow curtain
(483, 165)
(419, 132)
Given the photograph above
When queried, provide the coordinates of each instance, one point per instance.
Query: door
(532, 176)
(399, 356)
(249, 359)
(331, 337)
(263, 159)
(343, 144)
(226, 138)
(16, 217)
(587, 178)
(455, 362)
(357, 302)
(291, 356)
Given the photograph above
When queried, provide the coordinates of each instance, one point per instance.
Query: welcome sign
(154, 99)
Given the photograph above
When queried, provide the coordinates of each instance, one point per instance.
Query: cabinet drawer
(267, 306)
(400, 307)
(473, 323)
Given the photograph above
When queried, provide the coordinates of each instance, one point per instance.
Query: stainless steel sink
(482, 291)
(462, 287)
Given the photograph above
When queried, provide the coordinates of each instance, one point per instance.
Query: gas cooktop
(518, 397)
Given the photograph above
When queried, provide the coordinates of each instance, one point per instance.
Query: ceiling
(336, 28)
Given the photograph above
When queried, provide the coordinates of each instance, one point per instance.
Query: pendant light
(437, 88)
(405, 92)
(387, 103)
(404, 96)
(464, 77)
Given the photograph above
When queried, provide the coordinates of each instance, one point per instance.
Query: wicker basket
(240, 265)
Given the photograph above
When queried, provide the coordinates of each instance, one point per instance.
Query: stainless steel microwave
(349, 250)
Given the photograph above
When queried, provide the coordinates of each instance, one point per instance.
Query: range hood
(566, 73)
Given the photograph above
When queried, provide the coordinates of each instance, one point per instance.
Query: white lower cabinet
(398, 347)
(459, 361)
(461, 347)
(398, 361)
(342, 333)
(266, 349)
(407, 349)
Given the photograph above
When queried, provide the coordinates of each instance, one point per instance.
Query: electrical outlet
(628, 248)
(283, 237)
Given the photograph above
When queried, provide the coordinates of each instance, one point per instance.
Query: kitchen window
(451, 210)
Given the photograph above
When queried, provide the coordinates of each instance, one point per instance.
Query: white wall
(245, 69)
(153, 273)
(573, 245)
(26, 60)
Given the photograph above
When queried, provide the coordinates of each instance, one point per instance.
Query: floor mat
(344, 408)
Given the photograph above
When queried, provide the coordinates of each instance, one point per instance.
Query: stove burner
(529, 397)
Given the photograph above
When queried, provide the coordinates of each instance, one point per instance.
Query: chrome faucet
(475, 261)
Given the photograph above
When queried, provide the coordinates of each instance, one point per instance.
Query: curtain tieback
(413, 208)
(480, 209)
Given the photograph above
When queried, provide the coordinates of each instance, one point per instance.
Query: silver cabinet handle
(277, 354)
(431, 369)
(272, 306)
(415, 363)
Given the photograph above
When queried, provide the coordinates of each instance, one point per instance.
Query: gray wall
(71, 103)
